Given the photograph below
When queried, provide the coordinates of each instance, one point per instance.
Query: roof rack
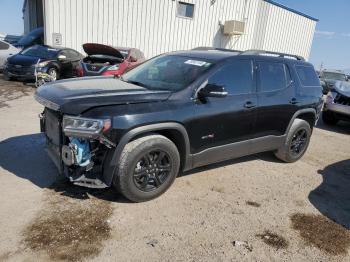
(208, 48)
(263, 52)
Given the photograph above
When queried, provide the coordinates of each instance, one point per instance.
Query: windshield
(169, 72)
(334, 76)
(41, 52)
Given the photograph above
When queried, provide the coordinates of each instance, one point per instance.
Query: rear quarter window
(307, 75)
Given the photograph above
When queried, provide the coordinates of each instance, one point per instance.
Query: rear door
(221, 121)
(276, 98)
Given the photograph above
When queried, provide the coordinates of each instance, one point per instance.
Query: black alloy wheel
(299, 142)
(152, 170)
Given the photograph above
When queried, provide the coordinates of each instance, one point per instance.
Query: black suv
(176, 112)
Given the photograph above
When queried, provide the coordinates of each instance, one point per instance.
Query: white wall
(153, 27)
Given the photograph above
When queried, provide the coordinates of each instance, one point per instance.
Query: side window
(273, 76)
(4, 46)
(307, 75)
(236, 77)
(65, 53)
(75, 55)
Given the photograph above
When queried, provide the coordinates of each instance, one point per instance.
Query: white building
(158, 26)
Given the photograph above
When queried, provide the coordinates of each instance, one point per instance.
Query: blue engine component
(82, 151)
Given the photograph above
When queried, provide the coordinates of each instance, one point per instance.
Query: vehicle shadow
(332, 197)
(342, 127)
(25, 157)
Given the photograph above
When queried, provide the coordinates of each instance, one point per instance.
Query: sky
(331, 45)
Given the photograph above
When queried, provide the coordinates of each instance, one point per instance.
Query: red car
(108, 60)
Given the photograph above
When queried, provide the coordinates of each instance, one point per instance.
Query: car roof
(214, 55)
(217, 55)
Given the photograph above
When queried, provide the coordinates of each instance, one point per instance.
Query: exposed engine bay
(100, 60)
(80, 157)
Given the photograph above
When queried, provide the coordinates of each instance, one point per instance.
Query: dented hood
(99, 49)
(75, 96)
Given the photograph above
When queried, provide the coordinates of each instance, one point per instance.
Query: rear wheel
(329, 118)
(296, 143)
(147, 168)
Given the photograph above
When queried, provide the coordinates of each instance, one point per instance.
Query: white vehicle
(6, 50)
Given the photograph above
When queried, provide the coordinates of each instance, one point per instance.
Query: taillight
(79, 70)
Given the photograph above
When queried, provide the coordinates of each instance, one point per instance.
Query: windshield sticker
(197, 63)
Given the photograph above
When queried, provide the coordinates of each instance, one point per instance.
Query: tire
(53, 72)
(7, 78)
(329, 118)
(135, 168)
(287, 152)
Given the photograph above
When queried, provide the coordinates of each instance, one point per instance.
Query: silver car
(6, 50)
(337, 104)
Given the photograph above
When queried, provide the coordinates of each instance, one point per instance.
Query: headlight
(42, 64)
(113, 68)
(84, 127)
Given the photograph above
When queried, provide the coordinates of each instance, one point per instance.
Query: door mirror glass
(61, 57)
(212, 91)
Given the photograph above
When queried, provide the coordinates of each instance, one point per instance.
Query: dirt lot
(250, 209)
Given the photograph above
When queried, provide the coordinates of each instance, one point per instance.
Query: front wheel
(296, 143)
(53, 73)
(147, 168)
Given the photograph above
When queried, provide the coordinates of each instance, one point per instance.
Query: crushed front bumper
(337, 108)
(56, 146)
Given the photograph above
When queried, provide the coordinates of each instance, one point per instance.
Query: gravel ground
(249, 209)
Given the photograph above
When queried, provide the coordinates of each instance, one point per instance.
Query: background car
(337, 104)
(108, 60)
(57, 62)
(6, 50)
(328, 79)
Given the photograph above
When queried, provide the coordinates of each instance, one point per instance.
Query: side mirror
(133, 59)
(61, 57)
(212, 91)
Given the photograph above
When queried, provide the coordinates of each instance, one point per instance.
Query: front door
(230, 119)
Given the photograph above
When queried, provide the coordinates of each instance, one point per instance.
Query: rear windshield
(41, 52)
(307, 76)
(169, 72)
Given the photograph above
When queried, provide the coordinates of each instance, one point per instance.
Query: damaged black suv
(176, 112)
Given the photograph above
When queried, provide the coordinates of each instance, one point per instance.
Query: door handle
(293, 101)
(249, 104)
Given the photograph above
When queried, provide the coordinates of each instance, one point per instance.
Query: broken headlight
(84, 127)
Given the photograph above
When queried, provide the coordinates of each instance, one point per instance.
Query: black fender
(111, 166)
(298, 113)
